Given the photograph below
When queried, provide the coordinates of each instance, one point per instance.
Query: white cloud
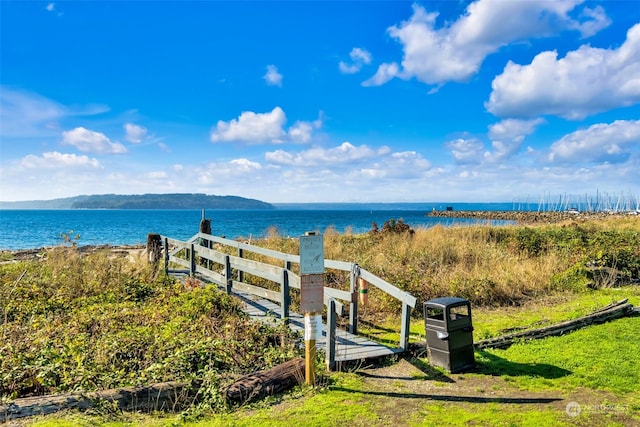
(220, 173)
(90, 141)
(252, 127)
(456, 50)
(612, 143)
(344, 153)
(302, 131)
(51, 7)
(385, 73)
(507, 137)
(347, 165)
(359, 57)
(157, 175)
(256, 128)
(596, 20)
(245, 164)
(586, 81)
(513, 129)
(466, 151)
(56, 160)
(273, 77)
(26, 114)
(134, 133)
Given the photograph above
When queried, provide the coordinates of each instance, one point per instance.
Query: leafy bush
(93, 321)
(392, 226)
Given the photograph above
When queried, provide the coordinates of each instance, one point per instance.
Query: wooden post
(227, 273)
(285, 298)
(192, 258)
(404, 328)
(205, 225)
(309, 350)
(331, 335)
(166, 255)
(353, 305)
(205, 228)
(240, 272)
(154, 247)
(311, 296)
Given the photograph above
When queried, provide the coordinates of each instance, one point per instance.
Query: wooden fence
(203, 254)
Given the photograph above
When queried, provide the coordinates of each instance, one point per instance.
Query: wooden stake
(310, 334)
(310, 362)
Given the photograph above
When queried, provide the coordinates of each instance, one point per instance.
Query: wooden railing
(197, 255)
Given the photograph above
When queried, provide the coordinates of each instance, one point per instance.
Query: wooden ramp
(348, 347)
(203, 257)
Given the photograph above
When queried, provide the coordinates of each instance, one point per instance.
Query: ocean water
(27, 229)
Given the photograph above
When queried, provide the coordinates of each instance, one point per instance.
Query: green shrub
(93, 321)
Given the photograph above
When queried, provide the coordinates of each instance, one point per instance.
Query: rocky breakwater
(526, 217)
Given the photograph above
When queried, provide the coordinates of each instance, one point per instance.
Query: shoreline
(527, 217)
(519, 217)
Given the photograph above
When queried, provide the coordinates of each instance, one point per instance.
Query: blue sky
(329, 101)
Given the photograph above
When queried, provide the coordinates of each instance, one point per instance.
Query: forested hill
(142, 201)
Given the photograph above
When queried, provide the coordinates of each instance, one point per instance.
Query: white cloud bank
(586, 81)
(456, 50)
(602, 143)
(56, 160)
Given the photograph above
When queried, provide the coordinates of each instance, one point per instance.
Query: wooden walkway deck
(209, 263)
(349, 347)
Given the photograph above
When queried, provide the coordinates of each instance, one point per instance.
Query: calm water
(24, 229)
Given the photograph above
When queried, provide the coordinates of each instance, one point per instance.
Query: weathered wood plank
(257, 290)
(337, 293)
(389, 288)
(261, 305)
(210, 254)
(180, 261)
(260, 269)
(250, 248)
(212, 276)
(162, 396)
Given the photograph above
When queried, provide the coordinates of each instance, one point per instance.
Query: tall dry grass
(489, 265)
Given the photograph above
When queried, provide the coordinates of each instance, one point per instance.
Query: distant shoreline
(528, 217)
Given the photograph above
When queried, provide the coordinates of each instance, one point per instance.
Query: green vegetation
(97, 321)
(74, 321)
(142, 201)
(498, 266)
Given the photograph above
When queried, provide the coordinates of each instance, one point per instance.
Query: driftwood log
(610, 312)
(270, 381)
(168, 396)
(154, 247)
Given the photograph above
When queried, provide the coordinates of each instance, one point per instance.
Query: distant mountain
(142, 201)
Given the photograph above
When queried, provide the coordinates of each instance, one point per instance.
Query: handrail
(282, 275)
(328, 263)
